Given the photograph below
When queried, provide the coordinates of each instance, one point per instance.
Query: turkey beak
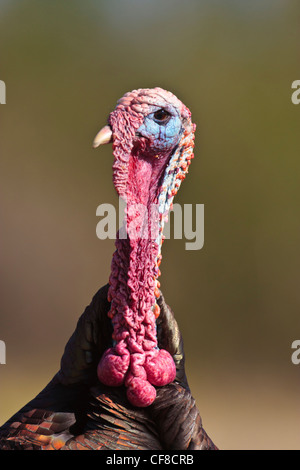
(104, 136)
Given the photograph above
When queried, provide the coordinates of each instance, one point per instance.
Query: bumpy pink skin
(160, 368)
(135, 359)
(112, 367)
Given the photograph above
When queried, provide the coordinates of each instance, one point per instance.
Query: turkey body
(76, 412)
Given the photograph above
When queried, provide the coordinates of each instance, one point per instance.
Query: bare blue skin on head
(162, 135)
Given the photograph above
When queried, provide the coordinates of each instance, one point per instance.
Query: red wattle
(160, 368)
(112, 368)
(140, 392)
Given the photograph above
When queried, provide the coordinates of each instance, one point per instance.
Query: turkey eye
(161, 116)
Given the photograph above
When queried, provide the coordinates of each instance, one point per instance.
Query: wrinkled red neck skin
(135, 359)
(145, 174)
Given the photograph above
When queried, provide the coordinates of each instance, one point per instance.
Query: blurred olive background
(237, 300)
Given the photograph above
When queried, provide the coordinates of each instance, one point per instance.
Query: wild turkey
(122, 383)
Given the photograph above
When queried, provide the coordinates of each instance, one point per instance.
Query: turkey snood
(153, 140)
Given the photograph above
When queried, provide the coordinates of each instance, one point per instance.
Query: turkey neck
(134, 270)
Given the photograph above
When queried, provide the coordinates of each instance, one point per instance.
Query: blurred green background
(237, 300)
